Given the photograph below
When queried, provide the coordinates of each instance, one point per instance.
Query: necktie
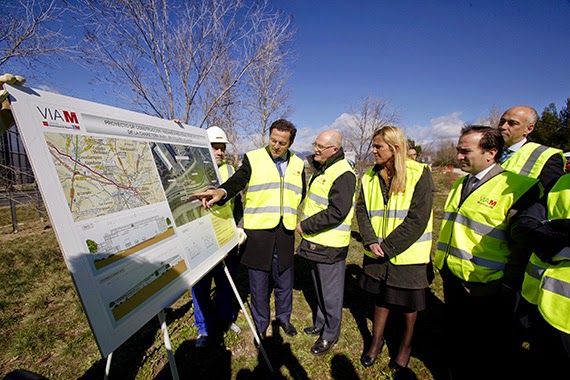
(473, 181)
(278, 163)
(506, 154)
(469, 185)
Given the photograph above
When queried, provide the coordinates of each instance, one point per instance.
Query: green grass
(45, 330)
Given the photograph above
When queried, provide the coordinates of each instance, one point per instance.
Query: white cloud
(441, 128)
(306, 136)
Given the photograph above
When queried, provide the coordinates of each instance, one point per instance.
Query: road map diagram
(101, 176)
(184, 170)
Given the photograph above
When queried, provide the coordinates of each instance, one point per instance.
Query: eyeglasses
(321, 148)
(511, 122)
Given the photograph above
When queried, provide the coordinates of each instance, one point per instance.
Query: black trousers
(260, 292)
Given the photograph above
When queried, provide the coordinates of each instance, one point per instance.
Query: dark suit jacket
(259, 245)
(553, 169)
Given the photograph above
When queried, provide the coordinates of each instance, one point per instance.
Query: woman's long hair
(396, 140)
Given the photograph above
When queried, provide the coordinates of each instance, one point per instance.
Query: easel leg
(108, 366)
(249, 321)
(171, 360)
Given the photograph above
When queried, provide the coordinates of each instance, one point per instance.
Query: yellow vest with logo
(386, 217)
(318, 200)
(473, 236)
(270, 197)
(558, 207)
(530, 159)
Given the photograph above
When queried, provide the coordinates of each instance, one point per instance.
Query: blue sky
(439, 63)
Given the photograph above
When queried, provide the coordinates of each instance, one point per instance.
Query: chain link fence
(20, 198)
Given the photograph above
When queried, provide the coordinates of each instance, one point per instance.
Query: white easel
(167, 345)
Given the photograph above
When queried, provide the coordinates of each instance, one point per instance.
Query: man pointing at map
(275, 182)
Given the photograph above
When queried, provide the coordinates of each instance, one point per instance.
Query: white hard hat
(216, 135)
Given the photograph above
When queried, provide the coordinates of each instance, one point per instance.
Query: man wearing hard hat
(210, 316)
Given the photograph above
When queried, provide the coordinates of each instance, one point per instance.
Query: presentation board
(118, 186)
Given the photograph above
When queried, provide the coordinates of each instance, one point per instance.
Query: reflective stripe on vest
(473, 237)
(558, 207)
(530, 159)
(318, 200)
(554, 296)
(385, 218)
(269, 196)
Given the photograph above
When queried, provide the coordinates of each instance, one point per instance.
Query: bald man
(325, 231)
(524, 157)
(536, 161)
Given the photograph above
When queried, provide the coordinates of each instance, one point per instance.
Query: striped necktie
(506, 154)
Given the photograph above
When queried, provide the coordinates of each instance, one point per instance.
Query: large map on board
(101, 176)
(118, 187)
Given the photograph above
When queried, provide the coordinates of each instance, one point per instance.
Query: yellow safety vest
(385, 218)
(270, 197)
(473, 236)
(530, 159)
(554, 295)
(318, 200)
(226, 171)
(558, 207)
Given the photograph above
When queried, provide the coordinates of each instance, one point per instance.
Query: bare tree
(369, 115)
(492, 119)
(266, 96)
(247, 109)
(446, 154)
(164, 51)
(30, 30)
(228, 109)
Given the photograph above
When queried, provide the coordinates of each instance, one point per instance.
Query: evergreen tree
(547, 126)
(564, 128)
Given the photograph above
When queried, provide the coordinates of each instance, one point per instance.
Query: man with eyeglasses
(325, 229)
(275, 181)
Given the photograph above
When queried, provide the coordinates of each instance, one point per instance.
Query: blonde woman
(394, 213)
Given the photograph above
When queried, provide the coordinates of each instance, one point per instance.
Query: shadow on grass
(280, 356)
(429, 337)
(127, 359)
(212, 362)
(304, 283)
(342, 368)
